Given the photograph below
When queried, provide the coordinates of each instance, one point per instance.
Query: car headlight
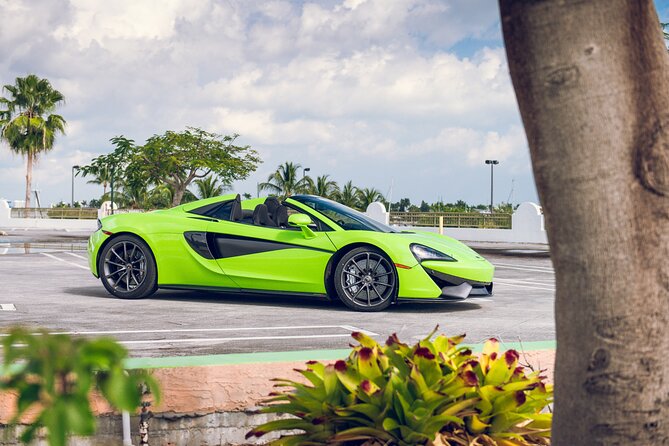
(422, 252)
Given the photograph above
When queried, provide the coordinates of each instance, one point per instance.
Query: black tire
(127, 268)
(365, 279)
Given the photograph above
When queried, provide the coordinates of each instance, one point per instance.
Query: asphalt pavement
(49, 286)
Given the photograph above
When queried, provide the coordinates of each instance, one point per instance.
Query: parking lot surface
(54, 289)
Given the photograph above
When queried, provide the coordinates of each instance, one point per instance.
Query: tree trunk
(592, 85)
(178, 194)
(29, 177)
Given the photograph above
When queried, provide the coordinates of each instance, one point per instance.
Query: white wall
(527, 226)
(7, 222)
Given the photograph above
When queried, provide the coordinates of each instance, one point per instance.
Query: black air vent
(198, 241)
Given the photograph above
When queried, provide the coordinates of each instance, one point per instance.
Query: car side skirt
(242, 291)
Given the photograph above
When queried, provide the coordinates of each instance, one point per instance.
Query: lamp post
(111, 184)
(492, 165)
(73, 169)
(304, 171)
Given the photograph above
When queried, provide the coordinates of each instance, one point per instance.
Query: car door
(269, 258)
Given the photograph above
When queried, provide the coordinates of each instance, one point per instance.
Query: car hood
(442, 243)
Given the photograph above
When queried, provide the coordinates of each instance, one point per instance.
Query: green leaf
(79, 417)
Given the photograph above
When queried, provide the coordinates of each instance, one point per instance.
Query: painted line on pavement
(521, 265)
(498, 281)
(192, 330)
(529, 282)
(291, 356)
(64, 261)
(76, 255)
(539, 269)
(7, 307)
(246, 338)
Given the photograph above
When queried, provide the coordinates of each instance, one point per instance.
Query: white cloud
(341, 85)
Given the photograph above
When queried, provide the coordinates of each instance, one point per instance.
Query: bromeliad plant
(434, 393)
(53, 375)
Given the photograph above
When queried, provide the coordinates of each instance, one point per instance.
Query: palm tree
(101, 176)
(324, 187)
(27, 123)
(284, 181)
(368, 196)
(208, 187)
(348, 196)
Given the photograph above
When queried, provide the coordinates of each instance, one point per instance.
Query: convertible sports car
(305, 245)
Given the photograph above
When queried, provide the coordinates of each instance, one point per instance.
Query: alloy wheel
(125, 266)
(368, 279)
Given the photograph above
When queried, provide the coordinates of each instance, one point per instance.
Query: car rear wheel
(127, 268)
(365, 280)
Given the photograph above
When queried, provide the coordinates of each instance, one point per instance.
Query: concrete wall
(202, 405)
(527, 226)
(7, 222)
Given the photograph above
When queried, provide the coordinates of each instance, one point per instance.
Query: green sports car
(305, 245)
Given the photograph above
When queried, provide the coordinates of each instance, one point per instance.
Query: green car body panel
(287, 260)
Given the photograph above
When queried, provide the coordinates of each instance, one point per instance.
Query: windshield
(344, 216)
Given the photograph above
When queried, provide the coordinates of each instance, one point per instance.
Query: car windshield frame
(332, 209)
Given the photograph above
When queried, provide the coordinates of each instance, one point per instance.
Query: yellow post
(441, 225)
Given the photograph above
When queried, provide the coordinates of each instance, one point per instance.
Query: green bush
(434, 393)
(54, 375)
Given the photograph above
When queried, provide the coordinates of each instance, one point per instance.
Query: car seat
(273, 204)
(280, 216)
(236, 209)
(261, 216)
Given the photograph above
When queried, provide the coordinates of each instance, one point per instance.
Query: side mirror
(301, 221)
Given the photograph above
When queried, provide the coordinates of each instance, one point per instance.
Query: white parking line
(529, 282)
(192, 330)
(525, 267)
(7, 307)
(76, 255)
(64, 261)
(249, 338)
(512, 284)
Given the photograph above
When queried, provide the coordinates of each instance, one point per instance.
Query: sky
(406, 96)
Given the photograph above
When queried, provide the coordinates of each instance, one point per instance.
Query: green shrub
(54, 375)
(436, 392)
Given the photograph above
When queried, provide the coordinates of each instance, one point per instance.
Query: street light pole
(492, 164)
(112, 189)
(73, 169)
(304, 171)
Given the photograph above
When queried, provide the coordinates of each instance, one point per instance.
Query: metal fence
(56, 213)
(451, 219)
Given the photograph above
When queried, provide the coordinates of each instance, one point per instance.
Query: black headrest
(272, 203)
(281, 216)
(236, 209)
(261, 216)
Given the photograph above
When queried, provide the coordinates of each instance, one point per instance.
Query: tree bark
(592, 84)
(178, 194)
(29, 177)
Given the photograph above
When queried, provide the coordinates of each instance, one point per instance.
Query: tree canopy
(176, 159)
(27, 121)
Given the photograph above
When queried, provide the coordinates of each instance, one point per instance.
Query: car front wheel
(365, 280)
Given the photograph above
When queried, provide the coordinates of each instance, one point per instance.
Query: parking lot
(53, 289)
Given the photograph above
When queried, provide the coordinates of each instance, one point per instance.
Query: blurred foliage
(434, 393)
(53, 375)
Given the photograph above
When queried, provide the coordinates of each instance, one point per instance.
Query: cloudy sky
(407, 96)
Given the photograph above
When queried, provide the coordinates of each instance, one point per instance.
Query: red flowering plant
(434, 393)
